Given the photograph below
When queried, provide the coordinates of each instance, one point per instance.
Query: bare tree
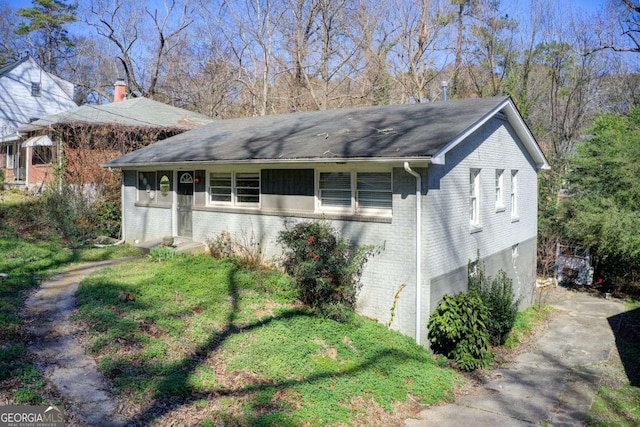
(142, 37)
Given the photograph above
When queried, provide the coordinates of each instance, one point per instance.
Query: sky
(587, 5)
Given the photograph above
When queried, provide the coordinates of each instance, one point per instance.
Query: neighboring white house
(28, 93)
(435, 184)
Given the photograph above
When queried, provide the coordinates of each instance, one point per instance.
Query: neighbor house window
(499, 189)
(10, 156)
(361, 192)
(41, 155)
(234, 188)
(35, 89)
(514, 193)
(474, 197)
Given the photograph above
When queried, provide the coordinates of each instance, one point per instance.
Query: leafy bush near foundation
(326, 268)
(498, 297)
(458, 330)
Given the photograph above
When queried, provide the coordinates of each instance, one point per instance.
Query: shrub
(325, 267)
(458, 330)
(246, 250)
(498, 297)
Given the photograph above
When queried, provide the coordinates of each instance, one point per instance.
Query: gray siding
(451, 244)
(448, 243)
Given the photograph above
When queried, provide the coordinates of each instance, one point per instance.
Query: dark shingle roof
(135, 112)
(388, 132)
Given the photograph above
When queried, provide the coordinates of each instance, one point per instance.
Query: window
(41, 155)
(234, 188)
(474, 197)
(10, 156)
(499, 189)
(248, 188)
(361, 192)
(335, 189)
(514, 194)
(374, 190)
(35, 89)
(155, 187)
(146, 187)
(220, 187)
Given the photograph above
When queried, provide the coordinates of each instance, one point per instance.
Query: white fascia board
(518, 124)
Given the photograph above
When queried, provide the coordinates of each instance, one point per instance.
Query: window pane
(337, 181)
(248, 188)
(335, 189)
(220, 187)
(374, 190)
(377, 200)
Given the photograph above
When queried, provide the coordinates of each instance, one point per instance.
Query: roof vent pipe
(444, 86)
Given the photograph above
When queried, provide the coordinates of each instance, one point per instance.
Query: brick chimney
(119, 89)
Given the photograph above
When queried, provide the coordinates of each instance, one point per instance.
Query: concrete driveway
(553, 383)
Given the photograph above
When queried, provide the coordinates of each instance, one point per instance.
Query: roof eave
(515, 119)
(420, 161)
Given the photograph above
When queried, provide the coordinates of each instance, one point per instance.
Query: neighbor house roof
(417, 132)
(135, 112)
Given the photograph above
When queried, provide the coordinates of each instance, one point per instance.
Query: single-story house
(88, 135)
(435, 184)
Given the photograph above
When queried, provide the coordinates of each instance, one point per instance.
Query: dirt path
(552, 384)
(63, 361)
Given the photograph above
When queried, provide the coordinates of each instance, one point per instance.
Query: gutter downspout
(418, 247)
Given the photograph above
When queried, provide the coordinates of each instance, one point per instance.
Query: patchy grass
(525, 324)
(618, 399)
(232, 346)
(27, 260)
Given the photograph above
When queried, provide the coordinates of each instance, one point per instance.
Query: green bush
(325, 267)
(458, 330)
(498, 297)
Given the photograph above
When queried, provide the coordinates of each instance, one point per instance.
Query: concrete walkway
(553, 384)
(63, 361)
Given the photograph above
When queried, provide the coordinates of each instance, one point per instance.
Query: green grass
(27, 260)
(618, 399)
(526, 320)
(208, 329)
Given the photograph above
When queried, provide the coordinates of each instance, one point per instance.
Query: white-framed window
(514, 193)
(365, 192)
(247, 188)
(234, 188)
(499, 189)
(220, 187)
(474, 197)
(11, 158)
(374, 191)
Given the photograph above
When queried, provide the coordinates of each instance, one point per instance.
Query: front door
(185, 202)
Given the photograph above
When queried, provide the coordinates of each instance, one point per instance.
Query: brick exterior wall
(448, 243)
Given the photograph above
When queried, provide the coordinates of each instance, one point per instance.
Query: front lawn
(218, 344)
(29, 254)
